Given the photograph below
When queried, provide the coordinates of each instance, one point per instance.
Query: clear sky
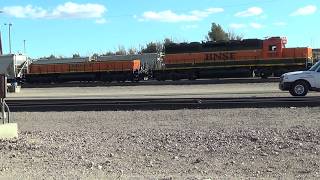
(63, 27)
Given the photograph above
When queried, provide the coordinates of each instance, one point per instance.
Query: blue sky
(64, 27)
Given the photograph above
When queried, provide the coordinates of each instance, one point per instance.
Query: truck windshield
(315, 67)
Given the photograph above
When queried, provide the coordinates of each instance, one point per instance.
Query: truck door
(317, 77)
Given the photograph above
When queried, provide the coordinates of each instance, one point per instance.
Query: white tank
(12, 65)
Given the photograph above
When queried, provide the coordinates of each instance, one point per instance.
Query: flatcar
(245, 58)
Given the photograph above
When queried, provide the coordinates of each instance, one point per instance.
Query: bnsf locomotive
(245, 58)
(82, 69)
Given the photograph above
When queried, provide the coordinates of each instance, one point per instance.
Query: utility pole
(9, 25)
(1, 40)
(24, 46)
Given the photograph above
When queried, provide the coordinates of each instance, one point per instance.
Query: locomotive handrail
(8, 110)
(24, 65)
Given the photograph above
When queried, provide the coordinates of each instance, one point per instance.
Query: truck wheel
(299, 88)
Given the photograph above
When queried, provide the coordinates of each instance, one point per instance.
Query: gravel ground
(182, 144)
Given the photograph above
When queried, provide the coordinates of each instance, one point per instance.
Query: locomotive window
(272, 48)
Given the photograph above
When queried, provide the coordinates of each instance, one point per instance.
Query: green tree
(108, 53)
(52, 57)
(233, 36)
(132, 51)
(48, 57)
(217, 33)
(167, 41)
(121, 50)
(76, 55)
(95, 56)
(152, 47)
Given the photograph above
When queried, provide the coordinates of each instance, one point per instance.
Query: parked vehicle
(299, 83)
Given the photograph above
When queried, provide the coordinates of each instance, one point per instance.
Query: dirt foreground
(183, 144)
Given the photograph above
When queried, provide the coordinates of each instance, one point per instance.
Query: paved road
(158, 104)
(156, 83)
(164, 91)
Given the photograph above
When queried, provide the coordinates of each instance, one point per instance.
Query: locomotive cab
(273, 47)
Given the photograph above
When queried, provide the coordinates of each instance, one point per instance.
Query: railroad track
(41, 105)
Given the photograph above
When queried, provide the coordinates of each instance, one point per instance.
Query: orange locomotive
(82, 69)
(106, 66)
(232, 59)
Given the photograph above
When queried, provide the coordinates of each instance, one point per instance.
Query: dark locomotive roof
(233, 45)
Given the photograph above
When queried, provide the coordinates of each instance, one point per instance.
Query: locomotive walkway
(42, 105)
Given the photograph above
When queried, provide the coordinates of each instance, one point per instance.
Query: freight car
(82, 69)
(245, 58)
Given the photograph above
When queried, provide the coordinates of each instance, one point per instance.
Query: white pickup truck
(299, 83)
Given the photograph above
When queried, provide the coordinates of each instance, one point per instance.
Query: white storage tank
(13, 65)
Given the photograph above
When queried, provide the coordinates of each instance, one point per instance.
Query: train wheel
(263, 76)
(175, 77)
(160, 78)
(192, 77)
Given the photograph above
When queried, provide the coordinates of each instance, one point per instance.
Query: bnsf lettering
(220, 56)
